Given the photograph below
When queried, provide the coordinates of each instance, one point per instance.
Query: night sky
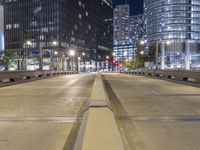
(136, 6)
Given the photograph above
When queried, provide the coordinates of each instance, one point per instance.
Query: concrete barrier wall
(13, 76)
(181, 75)
(99, 130)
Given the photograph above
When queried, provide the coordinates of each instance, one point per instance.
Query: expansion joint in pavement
(98, 104)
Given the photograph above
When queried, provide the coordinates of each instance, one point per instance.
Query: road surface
(44, 114)
(155, 114)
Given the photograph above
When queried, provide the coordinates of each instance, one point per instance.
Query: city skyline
(136, 6)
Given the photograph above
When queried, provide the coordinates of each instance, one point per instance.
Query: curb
(99, 130)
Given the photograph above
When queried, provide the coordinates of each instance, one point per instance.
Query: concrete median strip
(99, 129)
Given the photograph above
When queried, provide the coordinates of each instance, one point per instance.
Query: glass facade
(124, 52)
(128, 30)
(137, 30)
(174, 26)
(34, 26)
(123, 47)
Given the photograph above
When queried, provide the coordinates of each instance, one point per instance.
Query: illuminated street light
(55, 43)
(83, 54)
(142, 42)
(28, 42)
(168, 42)
(142, 52)
(56, 53)
(107, 57)
(72, 52)
(79, 58)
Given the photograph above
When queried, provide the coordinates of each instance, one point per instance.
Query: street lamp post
(52, 64)
(23, 62)
(84, 67)
(107, 62)
(72, 54)
(79, 64)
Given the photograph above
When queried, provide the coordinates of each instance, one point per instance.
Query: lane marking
(40, 119)
(173, 118)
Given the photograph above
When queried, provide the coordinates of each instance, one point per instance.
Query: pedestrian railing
(181, 75)
(13, 76)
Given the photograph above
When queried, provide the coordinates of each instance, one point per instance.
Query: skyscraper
(33, 27)
(137, 30)
(173, 28)
(123, 47)
(121, 22)
(128, 30)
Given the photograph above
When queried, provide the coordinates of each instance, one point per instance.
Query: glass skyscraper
(173, 27)
(128, 30)
(137, 30)
(123, 47)
(45, 26)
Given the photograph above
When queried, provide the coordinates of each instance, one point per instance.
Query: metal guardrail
(13, 76)
(181, 75)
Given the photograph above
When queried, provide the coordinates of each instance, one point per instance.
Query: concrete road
(44, 114)
(155, 114)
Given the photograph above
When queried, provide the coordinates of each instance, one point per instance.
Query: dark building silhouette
(46, 26)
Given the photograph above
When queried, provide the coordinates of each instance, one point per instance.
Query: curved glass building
(173, 27)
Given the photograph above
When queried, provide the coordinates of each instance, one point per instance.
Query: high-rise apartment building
(33, 27)
(173, 27)
(121, 24)
(123, 47)
(128, 30)
(137, 30)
